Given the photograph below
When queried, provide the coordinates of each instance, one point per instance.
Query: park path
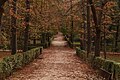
(56, 63)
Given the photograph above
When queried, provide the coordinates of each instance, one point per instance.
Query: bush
(78, 50)
(9, 64)
(117, 71)
(18, 61)
(46, 38)
(91, 58)
(31, 47)
(81, 53)
(108, 65)
(98, 62)
(5, 70)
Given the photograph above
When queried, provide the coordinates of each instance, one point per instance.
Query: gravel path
(56, 63)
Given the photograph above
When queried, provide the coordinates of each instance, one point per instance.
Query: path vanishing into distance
(58, 62)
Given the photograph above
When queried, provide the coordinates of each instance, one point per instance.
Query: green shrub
(108, 65)
(31, 47)
(78, 50)
(76, 44)
(81, 53)
(117, 71)
(91, 58)
(4, 70)
(18, 61)
(13, 62)
(98, 62)
(69, 42)
(10, 61)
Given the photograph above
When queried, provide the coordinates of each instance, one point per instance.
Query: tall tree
(83, 7)
(97, 39)
(97, 21)
(13, 28)
(118, 28)
(71, 6)
(116, 37)
(88, 30)
(26, 32)
(2, 2)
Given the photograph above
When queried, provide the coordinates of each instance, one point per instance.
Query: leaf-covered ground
(56, 63)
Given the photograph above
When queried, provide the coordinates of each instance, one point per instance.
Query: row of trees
(13, 25)
(26, 20)
(103, 16)
(94, 20)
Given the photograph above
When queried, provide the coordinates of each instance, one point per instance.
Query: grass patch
(76, 43)
(112, 56)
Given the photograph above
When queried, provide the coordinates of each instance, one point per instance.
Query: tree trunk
(27, 19)
(88, 31)
(97, 25)
(13, 41)
(97, 42)
(116, 38)
(84, 25)
(104, 43)
(1, 11)
(2, 2)
(26, 37)
(97, 39)
(34, 42)
(13, 29)
(98, 30)
(71, 37)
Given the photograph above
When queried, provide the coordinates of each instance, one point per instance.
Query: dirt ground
(56, 63)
